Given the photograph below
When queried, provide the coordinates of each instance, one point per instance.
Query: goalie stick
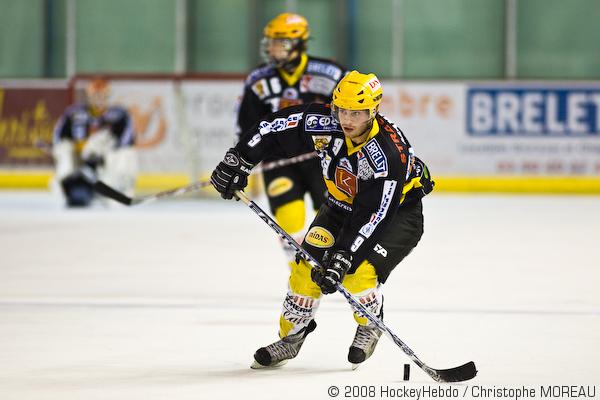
(122, 198)
(457, 374)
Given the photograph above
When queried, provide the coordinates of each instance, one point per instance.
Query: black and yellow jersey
(368, 183)
(269, 89)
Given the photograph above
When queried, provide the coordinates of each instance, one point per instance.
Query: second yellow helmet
(287, 26)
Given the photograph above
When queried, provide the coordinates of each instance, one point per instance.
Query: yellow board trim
(467, 184)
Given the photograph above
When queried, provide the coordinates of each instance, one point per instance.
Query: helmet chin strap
(291, 64)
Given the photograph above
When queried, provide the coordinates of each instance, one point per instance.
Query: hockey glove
(231, 174)
(94, 161)
(333, 272)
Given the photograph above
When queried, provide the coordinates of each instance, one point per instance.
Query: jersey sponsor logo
(374, 84)
(319, 237)
(346, 181)
(326, 69)
(319, 123)
(317, 84)
(356, 244)
(398, 141)
(377, 157)
(279, 124)
(280, 186)
(386, 199)
(365, 171)
(337, 145)
(344, 206)
(379, 249)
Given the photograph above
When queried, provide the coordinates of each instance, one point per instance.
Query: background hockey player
(372, 217)
(94, 138)
(289, 77)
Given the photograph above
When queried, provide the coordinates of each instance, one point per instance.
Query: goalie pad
(120, 169)
(65, 163)
(77, 189)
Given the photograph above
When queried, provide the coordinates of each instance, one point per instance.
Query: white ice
(170, 300)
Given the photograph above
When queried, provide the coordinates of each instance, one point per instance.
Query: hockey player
(93, 139)
(372, 217)
(288, 77)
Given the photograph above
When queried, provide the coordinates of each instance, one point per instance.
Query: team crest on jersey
(321, 142)
(377, 158)
(346, 181)
(319, 123)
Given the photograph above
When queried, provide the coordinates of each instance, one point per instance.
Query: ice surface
(170, 300)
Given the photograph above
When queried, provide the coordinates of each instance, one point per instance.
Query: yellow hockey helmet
(287, 26)
(358, 91)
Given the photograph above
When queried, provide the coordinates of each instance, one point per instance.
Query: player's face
(279, 49)
(98, 99)
(354, 123)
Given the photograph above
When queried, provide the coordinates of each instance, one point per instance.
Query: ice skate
(278, 353)
(363, 346)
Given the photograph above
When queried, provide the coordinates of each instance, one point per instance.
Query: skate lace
(282, 350)
(365, 337)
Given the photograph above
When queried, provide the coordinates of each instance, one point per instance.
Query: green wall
(125, 35)
(21, 38)
(439, 39)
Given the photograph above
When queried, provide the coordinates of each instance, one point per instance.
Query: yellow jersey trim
(294, 77)
(354, 148)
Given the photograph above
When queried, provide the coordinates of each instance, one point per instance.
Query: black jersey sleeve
(280, 134)
(251, 109)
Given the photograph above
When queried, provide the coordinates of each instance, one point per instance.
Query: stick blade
(457, 374)
(105, 190)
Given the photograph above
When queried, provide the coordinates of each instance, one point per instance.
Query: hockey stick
(457, 374)
(122, 198)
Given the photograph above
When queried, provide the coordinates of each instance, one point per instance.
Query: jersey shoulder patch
(260, 73)
(115, 113)
(324, 68)
(377, 158)
(320, 123)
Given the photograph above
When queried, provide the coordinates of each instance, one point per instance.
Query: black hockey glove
(94, 161)
(333, 272)
(231, 174)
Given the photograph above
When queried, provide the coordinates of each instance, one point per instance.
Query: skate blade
(354, 366)
(256, 365)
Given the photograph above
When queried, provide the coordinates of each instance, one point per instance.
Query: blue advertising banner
(530, 111)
